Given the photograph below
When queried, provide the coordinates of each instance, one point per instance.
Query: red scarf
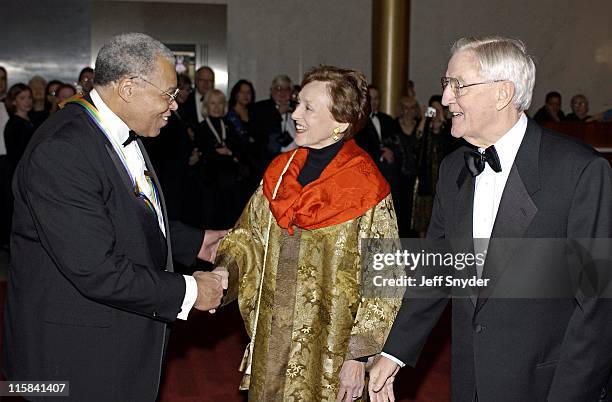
(348, 187)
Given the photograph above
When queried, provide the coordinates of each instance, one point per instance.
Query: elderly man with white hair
(514, 180)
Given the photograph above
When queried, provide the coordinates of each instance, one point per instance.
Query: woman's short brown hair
(13, 93)
(348, 90)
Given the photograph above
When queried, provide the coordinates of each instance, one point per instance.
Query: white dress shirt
(199, 105)
(287, 124)
(118, 132)
(376, 124)
(488, 189)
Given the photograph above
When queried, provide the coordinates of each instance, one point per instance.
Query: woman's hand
(352, 380)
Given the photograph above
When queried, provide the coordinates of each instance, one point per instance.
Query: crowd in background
(212, 154)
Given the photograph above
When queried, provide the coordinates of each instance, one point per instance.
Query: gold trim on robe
(312, 316)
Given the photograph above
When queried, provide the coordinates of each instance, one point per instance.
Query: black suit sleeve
(186, 242)
(421, 308)
(74, 227)
(586, 353)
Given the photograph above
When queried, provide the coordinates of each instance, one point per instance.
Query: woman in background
(408, 121)
(435, 143)
(221, 152)
(294, 259)
(38, 114)
(237, 118)
(19, 128)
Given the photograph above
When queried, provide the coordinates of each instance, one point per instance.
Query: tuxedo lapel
(461, 229)
(169, 265)
(516, 210)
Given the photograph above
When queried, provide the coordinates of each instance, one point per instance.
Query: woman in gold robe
(294, 259)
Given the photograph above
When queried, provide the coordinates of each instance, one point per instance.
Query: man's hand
(382, 376)
(387, 155)
(210, 290)
(352, 380)
(224, 275)
(208, 251)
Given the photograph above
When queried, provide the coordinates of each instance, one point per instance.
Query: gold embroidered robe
(311, 315)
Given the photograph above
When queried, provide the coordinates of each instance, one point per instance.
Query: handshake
(210, 284)
(210, 288)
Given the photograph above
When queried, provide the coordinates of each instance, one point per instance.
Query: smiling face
(314, 122)
(474, 111)
(216, 105)
(149, 108)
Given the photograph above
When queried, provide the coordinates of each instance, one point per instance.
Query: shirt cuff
(191, 294)
(393, 359)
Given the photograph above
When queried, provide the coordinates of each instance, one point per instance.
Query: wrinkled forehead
(462, 65)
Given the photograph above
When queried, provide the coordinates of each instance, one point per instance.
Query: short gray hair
(128, 54)
(280, 80)
(503, 59)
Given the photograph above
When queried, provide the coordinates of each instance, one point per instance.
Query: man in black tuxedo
(191, 109)
(91, 285)
(272, 127)
(379, 138)
(527, 183)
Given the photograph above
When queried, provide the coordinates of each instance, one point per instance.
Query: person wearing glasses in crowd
(191, 109)
(91, 285)
(580, 109)
(515, 180)
(272, 126)
(294, 259)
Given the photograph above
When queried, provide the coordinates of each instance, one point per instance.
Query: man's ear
(126, 89)
(505, 94)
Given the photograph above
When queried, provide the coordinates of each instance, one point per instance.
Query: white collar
(119, 131)
(507, 146)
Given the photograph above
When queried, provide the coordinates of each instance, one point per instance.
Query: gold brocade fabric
(311, 316)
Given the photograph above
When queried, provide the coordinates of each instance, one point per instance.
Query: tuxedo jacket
(266, 127)
(90, 283)
(188, 110)
(368, 139)
(518, 349)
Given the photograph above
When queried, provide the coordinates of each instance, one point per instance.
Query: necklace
(220, 138)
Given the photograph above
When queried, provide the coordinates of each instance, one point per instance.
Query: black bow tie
(132, 137)
(475, 161)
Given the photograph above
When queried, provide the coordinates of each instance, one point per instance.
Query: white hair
(503, 59)
(210, 94)
(129, 54)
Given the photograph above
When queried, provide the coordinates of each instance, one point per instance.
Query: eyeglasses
(456, 86)
(171, 95)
